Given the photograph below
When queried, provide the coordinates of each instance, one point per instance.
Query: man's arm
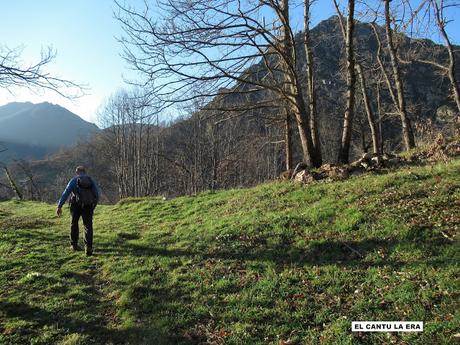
(70, 187)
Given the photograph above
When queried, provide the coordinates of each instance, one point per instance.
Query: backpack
(84, 195)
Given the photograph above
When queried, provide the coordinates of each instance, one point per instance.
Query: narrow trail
(105, 327)
(50, 292)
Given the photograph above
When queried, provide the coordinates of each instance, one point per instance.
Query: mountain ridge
(44, 127)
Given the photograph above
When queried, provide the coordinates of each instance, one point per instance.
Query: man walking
(84, 196)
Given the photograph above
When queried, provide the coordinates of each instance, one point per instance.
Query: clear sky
(83, 33)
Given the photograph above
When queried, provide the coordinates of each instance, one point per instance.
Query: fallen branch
(297, 169)
(353, 250)
(447, 236)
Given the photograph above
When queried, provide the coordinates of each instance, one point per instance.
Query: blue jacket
(72, 187)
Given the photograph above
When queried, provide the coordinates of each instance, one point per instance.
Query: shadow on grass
(95, 333)
(327, 252)
(20, 223)
(155, 298)
(89, 313)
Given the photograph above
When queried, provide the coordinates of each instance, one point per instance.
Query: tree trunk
(311, 90)
(364, 147)
(295, 98)
(408, 135)
(379, 110)
(382, 66)
(344, 149)
(288, 140)
(13, 184)
(451, 69)
(367, 106)
(309, 153)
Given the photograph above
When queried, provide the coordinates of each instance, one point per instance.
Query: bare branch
(14, 74)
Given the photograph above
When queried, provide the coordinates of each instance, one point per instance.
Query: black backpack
(84, 195)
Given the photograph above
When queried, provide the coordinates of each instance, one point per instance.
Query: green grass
(278, 263)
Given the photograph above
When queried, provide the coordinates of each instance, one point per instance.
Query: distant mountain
(31, 131)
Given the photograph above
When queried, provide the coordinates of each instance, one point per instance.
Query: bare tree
(12, 183)
(369, 112)
(288, 140)
(364, 91)
(344, 149)
(293, 87)
(130, 142)
(407, 133)
(15, 74)
(438, 7)
(311, 87)
(241, 47)
(34, 190)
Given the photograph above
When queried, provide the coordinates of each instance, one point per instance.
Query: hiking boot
(88, 251)
(75, 247)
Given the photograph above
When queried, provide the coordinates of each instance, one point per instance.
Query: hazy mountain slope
(43, 127)
(21, 151)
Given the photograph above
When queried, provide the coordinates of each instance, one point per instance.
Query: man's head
(80, 170)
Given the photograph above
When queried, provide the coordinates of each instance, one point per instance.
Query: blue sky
(83, 33)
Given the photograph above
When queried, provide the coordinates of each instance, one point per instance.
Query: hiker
(84, 197)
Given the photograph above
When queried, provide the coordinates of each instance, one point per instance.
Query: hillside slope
(280, 264)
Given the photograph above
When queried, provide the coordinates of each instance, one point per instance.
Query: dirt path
(105, 327)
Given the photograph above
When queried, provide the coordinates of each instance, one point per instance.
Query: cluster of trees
(251, 96)
(205, 151)
(198, 47)
(148, 157)
(248, 88)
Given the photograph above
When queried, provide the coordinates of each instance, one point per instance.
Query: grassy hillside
(279, 263)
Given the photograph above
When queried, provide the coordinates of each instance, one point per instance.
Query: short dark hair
(80, 169)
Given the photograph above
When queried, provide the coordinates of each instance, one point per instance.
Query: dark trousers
(86, 213)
